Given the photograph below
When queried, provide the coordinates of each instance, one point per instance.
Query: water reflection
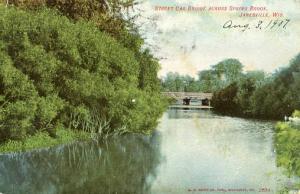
(191, 149)
(187, 113)
(121, 165)
(206, 151)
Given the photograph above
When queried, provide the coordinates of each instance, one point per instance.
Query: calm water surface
(190, 150)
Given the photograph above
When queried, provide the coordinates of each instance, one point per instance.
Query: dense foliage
(111, 17)
(287, 144)
(174, 82)
(216, 78)
(115, 18)
(57, 72)
(288, 153)
(271, 97)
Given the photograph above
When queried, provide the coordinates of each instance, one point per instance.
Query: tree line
(77, 64)
(271, 97)
(214, 79)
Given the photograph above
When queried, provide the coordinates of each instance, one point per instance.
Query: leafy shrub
(225, 100)
(287, 143)
(17, 102)
(54, 71)
(258, 96)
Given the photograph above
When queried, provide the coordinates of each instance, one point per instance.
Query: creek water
(191, 151)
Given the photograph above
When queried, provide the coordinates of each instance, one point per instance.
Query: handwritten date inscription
(258, 25)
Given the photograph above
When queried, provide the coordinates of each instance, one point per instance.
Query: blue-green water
(190, 152)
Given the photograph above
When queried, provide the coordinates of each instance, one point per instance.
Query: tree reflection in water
(120, 165)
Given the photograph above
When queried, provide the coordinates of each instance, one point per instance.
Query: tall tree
(227, 71)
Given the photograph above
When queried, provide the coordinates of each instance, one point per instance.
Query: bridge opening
(205, 102)
(186, 101)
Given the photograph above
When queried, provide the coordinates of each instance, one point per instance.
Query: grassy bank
(43, 140)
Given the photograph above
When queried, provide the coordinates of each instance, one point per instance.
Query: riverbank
(287, 144)
(43, 140)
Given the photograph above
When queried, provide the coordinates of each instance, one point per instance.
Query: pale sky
(192, 41)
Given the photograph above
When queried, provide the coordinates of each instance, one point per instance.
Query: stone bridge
(187, 97)
(191, 95)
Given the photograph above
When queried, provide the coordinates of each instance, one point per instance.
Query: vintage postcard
(149, 96)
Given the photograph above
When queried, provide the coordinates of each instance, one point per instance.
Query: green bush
(54, 71)
(43, 140)
(18, 101)
(255, 95)
(225, 100)
(279, 97)
(287, 143)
